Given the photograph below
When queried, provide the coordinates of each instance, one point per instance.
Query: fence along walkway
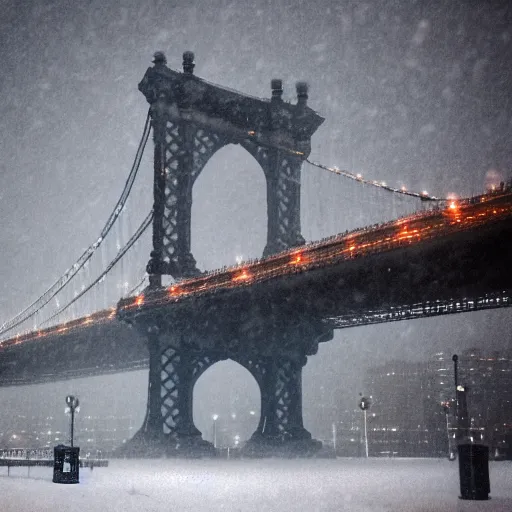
(40, 457)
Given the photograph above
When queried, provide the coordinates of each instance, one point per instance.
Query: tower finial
(276, 84)
(188, 62)
(302, 93)
(159, 58)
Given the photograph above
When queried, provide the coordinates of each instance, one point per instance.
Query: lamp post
(73, 404)
(455, 359)
(461, 404)
(463, 420)
(364, 405)
(446, 408)
(215, 417)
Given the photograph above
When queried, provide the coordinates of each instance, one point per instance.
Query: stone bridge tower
(191, 120)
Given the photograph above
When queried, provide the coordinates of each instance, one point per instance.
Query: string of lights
(424, 196)
(70, 273)
(39, 303)
(418, 227)
(145, 224)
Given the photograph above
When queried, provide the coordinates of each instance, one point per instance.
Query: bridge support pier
(281, 431)
(272, 341)
(168, 428)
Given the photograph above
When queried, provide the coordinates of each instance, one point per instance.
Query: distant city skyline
(410, 401)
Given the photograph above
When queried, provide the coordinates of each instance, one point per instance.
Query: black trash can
(474, 471)
(66, 464)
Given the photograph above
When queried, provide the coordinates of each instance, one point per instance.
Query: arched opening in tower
(226, 405)
(229, 210)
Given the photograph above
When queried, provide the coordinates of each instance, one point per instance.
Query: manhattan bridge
(268, 314)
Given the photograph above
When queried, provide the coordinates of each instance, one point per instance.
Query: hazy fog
(415, 94)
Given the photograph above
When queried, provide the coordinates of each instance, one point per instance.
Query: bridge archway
(226, 404)
(191, 120)
(229, 213)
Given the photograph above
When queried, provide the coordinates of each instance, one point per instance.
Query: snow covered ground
(351, 485)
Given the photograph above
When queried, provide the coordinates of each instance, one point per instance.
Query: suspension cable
(135, 289)
(36, 306)
(424, 196)
(145, 223)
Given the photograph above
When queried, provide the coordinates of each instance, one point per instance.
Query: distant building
(488, 380)
(92, 434)
(103, 434)
(413, 409)
(440, 369)
(407, 419)
(348, 431)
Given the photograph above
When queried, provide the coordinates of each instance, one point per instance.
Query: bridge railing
(421, 310)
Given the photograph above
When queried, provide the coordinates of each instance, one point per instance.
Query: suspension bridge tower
(191, 120)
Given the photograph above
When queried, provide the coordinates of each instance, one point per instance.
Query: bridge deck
(444, 261)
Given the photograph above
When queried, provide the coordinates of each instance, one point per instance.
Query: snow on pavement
(342, 485)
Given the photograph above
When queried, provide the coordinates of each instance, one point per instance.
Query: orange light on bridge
(405, 234)
(454, 210)
(243, 276)
(350, 250)
(139, 300)
(112, 313)
(174, 291)
(298, 259)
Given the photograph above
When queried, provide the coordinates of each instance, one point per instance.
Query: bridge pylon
(271, 340)
(192, 119)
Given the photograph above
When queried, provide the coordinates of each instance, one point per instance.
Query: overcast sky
(413, 93)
